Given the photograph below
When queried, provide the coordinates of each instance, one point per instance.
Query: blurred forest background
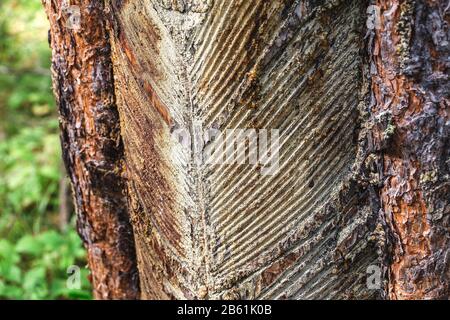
(38, 241)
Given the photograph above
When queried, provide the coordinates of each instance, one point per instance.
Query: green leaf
(34, 278)
(11, 292)
(7, 253)
(5, 248)
(14, 274)
(51, 240)
(28, 244)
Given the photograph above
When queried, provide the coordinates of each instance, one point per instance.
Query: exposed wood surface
(229, 231)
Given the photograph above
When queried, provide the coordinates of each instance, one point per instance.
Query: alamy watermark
(373, 280)
(374, 17)
(72, 14)
(257, 147)
(73, 278)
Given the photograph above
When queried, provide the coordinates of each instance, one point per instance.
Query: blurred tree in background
(36, 247)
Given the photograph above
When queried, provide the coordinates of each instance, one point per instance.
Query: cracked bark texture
(410, 112)
(363, 122)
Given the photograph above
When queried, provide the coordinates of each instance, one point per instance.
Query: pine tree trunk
(357, 204)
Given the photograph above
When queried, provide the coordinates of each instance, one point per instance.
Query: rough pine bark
(410, 112)
(92, 145)
(362, 115)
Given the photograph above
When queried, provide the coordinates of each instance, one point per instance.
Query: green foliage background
(34, 253)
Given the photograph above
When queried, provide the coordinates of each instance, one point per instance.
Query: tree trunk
(351, 202)
(92, 145)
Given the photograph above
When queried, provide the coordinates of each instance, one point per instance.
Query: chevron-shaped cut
(227, 230)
